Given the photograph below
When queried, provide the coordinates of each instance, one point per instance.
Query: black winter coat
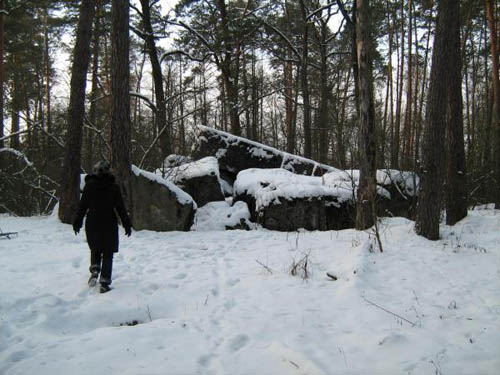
(100, 198)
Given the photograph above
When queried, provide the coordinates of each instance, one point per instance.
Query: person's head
(102, 167)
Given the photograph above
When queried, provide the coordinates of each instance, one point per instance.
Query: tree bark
(395, 159)
(2, 7)
(406, 154)
(492, 22)
(70, 177)
(365, 210)
(290, 130)
(305, 84)
(161, 109)
(120, 98)
(456, 183)
(431, 178)
(93, 91)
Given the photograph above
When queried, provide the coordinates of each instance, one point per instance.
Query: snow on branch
(149, 103)
(283, 36)
(199, 36)
(319, 10)
(184, 53)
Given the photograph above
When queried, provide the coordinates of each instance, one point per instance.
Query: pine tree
(70, 177)
(433, 168)
(120, 97)
(365, 211)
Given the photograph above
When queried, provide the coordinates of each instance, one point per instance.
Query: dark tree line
(316, 78)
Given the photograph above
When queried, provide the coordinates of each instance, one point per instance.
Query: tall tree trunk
(322, 125)
(456, 182)
(431, 179)
(229, 67)
(406, 154)
(395, 159)
(14, 120)
(492, 22)
(161, 109)
(70, 177)
(365, 211)
(120, 97)
(305, 83)
(2, 7)
(418, 131)
(48, 96)
(93, 92)
(182, 128)
(290, 131)
(255, 100)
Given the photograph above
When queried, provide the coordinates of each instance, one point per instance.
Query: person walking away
(101, 198)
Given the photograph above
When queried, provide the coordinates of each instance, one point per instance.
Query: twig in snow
(265, 267)
(149, 315)
(389, 312)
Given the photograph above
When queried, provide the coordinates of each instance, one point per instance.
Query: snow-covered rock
(237, 153)
(200, 179)
(281, 200)
(158, 204)
(222, 216)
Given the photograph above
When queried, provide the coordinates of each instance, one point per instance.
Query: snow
(203, 167)
(224, 302)
(219, 215)
(269, 185)
(182, 196)
(403, 179)
(258, 149)
(18, 155)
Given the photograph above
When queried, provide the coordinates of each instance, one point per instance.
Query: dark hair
(102, 167)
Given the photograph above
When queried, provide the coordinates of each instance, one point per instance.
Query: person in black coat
(101, 198)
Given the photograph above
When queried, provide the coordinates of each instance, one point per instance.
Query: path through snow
(224, 302)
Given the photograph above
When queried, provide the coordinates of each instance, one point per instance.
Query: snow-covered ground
(224, 302)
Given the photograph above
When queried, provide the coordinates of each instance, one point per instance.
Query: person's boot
(93, 279)
(104, 288)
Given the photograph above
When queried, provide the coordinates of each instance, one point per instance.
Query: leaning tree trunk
(431, 178)
(456, 182)
(161, 107)
(70, 177)
(365, 211)
(120, 97)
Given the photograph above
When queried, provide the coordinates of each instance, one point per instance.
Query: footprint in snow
(204, 360)
(17, 356)
(180, 276)
(238, 342)
(232, 282)
(76, 262)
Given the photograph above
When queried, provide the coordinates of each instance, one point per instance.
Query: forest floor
(211, 301)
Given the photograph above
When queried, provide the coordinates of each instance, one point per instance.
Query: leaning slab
(236, 154)
(200, 179)
(158, 204)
